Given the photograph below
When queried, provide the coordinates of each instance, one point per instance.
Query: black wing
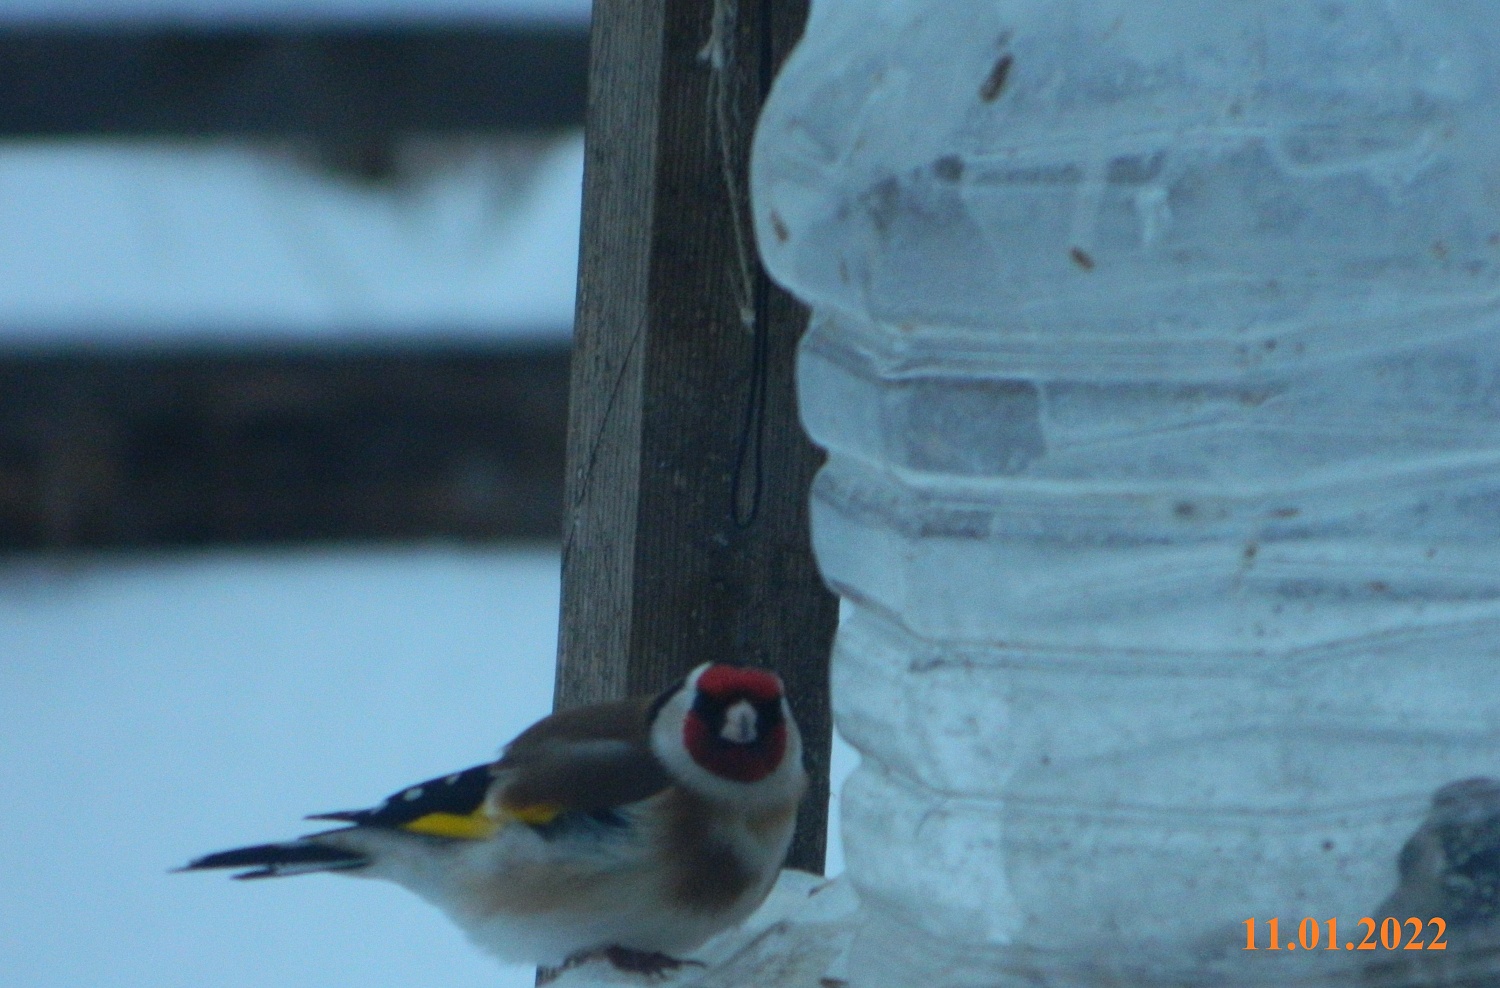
(459, 796)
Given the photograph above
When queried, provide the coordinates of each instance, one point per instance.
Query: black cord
(744, 507)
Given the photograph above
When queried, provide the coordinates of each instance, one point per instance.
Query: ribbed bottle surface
(1156, 347)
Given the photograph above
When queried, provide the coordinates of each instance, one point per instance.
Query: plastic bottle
(1156, 347)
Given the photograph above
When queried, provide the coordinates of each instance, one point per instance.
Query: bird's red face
(736, 728)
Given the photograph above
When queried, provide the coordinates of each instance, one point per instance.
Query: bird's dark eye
(770, 713)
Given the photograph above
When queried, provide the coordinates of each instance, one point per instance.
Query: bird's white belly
(524, 898)
(627, 911)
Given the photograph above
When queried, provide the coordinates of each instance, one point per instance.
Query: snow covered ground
(155, 709)
(122, 241)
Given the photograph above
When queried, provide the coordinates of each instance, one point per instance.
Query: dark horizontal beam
(335, 83)
(105, 451)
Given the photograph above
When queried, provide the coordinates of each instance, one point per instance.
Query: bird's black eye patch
(661, 700)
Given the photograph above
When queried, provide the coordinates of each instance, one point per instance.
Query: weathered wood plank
(685, 533)
(332, 83)
(115, 450)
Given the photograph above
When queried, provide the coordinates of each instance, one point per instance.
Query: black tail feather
(272, 860)
(343, 816)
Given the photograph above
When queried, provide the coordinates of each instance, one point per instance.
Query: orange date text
(1389, 933)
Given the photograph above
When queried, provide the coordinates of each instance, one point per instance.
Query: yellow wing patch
(478, 825)
(537, 815)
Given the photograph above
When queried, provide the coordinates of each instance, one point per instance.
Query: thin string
(747, 476)
(718, 52)
(746, 505)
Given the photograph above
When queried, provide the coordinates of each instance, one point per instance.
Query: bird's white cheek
(739, 723)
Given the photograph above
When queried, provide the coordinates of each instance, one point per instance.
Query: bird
(632, 831)
(1449, 881)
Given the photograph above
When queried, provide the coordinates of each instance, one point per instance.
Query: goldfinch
(633, 830)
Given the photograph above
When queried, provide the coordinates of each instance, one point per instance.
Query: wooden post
(685, 526)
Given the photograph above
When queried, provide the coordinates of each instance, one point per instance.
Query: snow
(798, 938)
(153, 709)
(126, 241)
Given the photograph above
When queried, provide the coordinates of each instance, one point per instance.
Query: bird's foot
(651, 963)
(647, 963)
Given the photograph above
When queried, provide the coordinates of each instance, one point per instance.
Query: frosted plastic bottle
(1156, 347)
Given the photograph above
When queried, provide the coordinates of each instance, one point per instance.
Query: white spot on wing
(309, 867)
(412, 794)
(453, 779)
